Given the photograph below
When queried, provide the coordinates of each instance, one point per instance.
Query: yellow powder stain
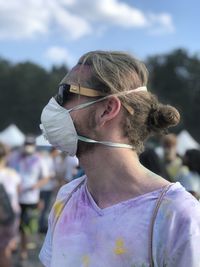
(58, 207)
(119, 247)
(86, 261)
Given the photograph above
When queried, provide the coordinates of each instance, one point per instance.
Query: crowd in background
(173, 167)
(31, 177)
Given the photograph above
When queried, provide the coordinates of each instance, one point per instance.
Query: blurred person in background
(151, 161)
(59, 167)
(191, 179)
(72, 165)
(46, 191)
(172, 161)
(34, 175)
(119, 213)
(65, 167)
(9, 233)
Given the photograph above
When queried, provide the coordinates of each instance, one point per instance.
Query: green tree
(175, 79)
(25, 89)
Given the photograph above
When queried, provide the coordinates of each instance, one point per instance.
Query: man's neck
(115, 175)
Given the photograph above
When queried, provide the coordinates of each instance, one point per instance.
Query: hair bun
(163, 117)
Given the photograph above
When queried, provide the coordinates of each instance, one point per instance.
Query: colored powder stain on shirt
(169, 215)
(58, 207)
(86, 261)
(120, 235)
(119, 247)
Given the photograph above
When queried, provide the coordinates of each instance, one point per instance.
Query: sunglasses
(67, 91)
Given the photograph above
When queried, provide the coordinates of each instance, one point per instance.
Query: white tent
(185, 141)
(41, 141)
(12, 136)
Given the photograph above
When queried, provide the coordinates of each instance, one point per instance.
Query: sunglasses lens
(63, 94)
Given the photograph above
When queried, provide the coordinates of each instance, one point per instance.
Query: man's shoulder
(12, 173)
(66, 189)
(180, 203)
(63, 197)
(178, 217)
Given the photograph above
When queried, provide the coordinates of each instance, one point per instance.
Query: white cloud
(23, 20)
(70, 24)
(26, 19)
(75, 18)
(59, 55)
(162, 24)
(111, 12)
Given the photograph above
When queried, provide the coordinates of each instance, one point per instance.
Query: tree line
(26, 87)
(175, 78)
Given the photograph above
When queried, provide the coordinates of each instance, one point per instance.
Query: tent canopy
(185, 141)
(12, 136)
(41, 141)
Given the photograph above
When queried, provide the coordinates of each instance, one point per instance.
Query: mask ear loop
(84, 105)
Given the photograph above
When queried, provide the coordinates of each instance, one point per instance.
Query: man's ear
(109, 109)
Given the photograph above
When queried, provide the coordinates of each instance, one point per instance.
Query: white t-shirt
(118, 236)
(48, 162)
(31, 168)
(11, 181)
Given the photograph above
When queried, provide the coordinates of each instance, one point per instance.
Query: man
(9, 208)
(46, 191)
(191, 179)
(34, 174)
(103, 113)
(173, 163)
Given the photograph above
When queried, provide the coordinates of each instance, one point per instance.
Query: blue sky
(59, 31)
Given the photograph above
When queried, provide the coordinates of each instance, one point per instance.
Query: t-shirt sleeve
(188, 254)
(44, 169)
(177, 232)
(18, 179)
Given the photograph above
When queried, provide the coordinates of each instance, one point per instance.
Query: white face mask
(29, 149)
(58, 127)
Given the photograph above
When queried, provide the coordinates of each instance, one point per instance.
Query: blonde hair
(112, 72)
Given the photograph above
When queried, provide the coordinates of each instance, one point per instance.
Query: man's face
(29, 149)
(170, 152)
